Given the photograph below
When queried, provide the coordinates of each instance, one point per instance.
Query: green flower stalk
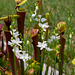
(62, 27)
(40, 11)
(48, 20)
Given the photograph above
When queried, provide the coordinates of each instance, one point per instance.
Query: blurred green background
(58, 8)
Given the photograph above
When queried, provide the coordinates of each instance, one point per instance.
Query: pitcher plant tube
(34, 36)
(8, 20)
(61, 27)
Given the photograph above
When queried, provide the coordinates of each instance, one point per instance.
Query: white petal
(46, 23)
(50, 40)
(44, 29)
(41, 48)
(33, 15)
(36, 7)
(38, 46)
(39, 43)
(40, 24)
(39, 16)
(36, 19)
(48, 49)
(11, 32)
(9, 43)
(43, 19)
(44, 41)
(52, 37)
(58, 37)
(14, 30)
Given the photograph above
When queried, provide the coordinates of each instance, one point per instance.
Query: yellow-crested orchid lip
(34, 32)
(9, 18)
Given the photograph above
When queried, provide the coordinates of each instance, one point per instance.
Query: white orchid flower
(24, 56)
(43, 19)
(48, 49)
(36, 19)
(16, 42)
(14, 33)
(40, 24)
(39, 16)
(42, 45)
(52, 37)
(16, 49)
(50, 40)
(44, 26)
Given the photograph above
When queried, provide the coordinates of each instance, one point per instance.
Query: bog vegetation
(37, 37)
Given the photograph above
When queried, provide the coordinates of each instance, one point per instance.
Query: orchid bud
(21, 47)
(68, 18)
(11, 38)
(36, 7)
(30, 20)
(10, 27)
(27, 41)
(70, 35)
(47, 14)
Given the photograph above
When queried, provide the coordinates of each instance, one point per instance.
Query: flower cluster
(44, 44)
(41, 24)
(54, 37)
(15, 43)
(35, 12)
(40, 20)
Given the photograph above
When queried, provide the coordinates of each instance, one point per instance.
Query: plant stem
(15, 64)
(42, 60)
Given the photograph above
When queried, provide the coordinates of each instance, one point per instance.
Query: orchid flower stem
(15, 65)
(22, 66)
(46, 73)
(48, 20)
(40, 7)
(68, 40)
(42, 60)
(71, 56)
